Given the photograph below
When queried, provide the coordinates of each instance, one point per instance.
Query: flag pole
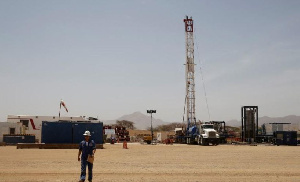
(59, 109)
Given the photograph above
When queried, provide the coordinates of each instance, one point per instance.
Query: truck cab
(207, 135)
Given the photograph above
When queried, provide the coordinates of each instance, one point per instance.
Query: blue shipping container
(57, 132)
(70, 132)
(96, 130)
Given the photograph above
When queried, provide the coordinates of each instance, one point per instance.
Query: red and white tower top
(188, 24)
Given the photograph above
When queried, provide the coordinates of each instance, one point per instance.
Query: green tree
(126, 124)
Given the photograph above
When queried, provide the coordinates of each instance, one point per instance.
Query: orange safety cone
(125, 144)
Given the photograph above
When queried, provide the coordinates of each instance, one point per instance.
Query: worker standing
(87, 149)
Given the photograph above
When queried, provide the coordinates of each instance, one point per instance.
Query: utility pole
(189, 73)
(150, 112)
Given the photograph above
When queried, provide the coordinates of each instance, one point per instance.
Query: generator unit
(285, 138)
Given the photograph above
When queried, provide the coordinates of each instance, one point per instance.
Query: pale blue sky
(110, 58)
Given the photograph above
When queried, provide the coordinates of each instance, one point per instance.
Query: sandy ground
(156, 163)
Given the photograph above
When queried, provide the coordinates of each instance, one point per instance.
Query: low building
(33, 124)
(7, 128)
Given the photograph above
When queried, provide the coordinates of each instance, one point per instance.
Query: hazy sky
(110, 58)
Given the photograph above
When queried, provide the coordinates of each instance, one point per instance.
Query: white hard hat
(87, 133)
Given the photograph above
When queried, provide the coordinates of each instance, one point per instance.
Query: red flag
(63, 104)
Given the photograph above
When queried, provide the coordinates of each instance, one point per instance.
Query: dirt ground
(144, 163)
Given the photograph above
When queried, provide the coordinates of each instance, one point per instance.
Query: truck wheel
(148, 142)
(202, 141)
(187, 141)
(206, 143)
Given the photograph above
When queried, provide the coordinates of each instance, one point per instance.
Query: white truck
(207, 134)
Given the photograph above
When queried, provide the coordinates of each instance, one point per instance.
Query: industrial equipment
(191, 130)
(179, 135)
(220, 127)
(285, 138)
(268, 134)
(122, 134)
(195, 133)
(249, 120)
(151, 112)
(147, 139)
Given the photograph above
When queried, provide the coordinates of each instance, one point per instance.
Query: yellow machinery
(147, 139)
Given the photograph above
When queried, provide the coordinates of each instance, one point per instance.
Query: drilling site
(43, 148)
(213, 96)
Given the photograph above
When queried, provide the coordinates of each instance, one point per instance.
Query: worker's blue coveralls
(86, 149)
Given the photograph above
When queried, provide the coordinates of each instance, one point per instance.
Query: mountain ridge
(293, 119)
(143, 121)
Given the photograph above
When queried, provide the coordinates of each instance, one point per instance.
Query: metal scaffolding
(189, 73)
(249, 118)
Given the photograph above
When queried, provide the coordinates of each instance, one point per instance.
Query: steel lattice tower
(189, 72)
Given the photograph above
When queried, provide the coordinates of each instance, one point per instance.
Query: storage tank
(250, 124)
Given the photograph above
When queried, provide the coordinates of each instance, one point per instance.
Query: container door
(96, 130)
(57, 132)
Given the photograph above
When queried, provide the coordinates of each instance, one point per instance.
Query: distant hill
(293, 119)
(141, 121)
(233, 122)
(108, 122)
